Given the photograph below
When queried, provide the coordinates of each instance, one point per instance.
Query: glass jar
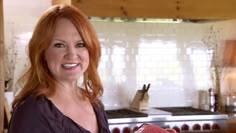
(230, 104)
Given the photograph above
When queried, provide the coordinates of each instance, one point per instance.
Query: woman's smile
(67, 56)
(70, 66)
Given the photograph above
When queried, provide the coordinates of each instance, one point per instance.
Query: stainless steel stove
(124, 113)
(178, 111)
(182, 119)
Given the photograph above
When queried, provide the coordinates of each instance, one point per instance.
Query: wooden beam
(208, 9)
(54, 2)
(184, 9)
(2, 78)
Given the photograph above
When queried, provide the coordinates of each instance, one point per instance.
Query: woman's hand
(148, 128)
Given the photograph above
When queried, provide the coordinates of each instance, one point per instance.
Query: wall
(174, 58)
(20, 19)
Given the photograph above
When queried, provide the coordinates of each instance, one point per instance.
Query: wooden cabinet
(231, 125)
(61, 1)
(229, 53)
(178, 9)
(183, 9)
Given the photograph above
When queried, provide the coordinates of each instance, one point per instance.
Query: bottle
(216, 105)
(213, 101)
(203, 99)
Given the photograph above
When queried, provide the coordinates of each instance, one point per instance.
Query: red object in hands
(135, 128)
(154, 129)
(177, 129)
(171, 130)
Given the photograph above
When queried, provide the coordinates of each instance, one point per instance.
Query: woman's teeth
(69, 65)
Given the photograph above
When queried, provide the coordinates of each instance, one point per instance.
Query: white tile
(134, 54)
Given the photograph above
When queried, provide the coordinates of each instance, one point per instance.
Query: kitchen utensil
(141, 98)
(145, 90)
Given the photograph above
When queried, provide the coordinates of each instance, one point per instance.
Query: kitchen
(172, 56)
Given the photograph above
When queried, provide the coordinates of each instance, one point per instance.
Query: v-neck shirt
(40, 115)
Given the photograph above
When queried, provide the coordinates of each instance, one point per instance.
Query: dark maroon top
(40, 115)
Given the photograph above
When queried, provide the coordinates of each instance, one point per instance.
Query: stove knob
(185, 127)
(215, 127)
(176, 129)
(126, 130)
(135, 128)
(206, 126)
(116, 130)
(196, 127)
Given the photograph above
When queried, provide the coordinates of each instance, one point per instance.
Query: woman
(64, 47)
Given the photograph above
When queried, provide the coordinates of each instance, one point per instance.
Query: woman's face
(67, 57)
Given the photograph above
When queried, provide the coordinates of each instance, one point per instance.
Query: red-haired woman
(64, 47)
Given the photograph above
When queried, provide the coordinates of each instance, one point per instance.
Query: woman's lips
(70, 65)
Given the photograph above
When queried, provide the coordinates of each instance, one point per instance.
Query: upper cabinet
(179, 9)
(54, 2)
(229, 57)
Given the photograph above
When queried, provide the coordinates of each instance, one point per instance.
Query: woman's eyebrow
(59, 40)
(80, 40)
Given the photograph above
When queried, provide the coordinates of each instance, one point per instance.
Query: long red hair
(38, 76)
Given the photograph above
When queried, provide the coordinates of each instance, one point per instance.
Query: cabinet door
(231, 125)
(229, 53)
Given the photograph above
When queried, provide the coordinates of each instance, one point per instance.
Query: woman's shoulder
(32, 112)
(36, 107)
(31, 105)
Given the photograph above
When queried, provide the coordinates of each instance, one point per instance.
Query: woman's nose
(71, 52)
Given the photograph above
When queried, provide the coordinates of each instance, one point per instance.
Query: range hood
(201, 20)
(153, 20)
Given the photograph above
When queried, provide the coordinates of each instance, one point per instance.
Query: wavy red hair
(38, 80)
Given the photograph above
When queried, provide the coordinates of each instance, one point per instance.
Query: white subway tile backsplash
(174, 58)
(167, 55)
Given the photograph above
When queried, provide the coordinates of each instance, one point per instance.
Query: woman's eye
(81, 44)
(59, 45)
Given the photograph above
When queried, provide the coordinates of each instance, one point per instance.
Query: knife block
(140, 103)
